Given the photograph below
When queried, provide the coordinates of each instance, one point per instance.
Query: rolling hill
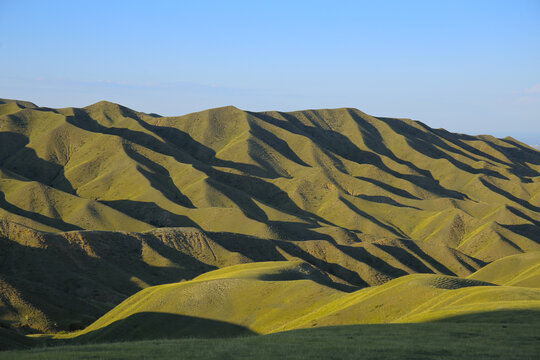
(346, 215)
(61, 281)
(338, 175)
(272, 297)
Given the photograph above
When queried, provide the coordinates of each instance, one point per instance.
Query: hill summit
(338, 175)
(139, 200)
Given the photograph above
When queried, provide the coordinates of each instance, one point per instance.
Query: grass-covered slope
(512, 339)
(272, 297)
(91, 200)
(516, 270)
(65, 281)
(338, 175)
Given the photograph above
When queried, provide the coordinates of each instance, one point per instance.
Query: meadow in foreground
(460, 340)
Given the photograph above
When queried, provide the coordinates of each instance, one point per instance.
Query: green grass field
(396, 341)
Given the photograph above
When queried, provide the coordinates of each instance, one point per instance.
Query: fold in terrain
(51, 282)
(275, 296)
(256, 222)
(338, 175)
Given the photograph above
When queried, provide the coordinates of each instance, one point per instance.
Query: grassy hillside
(469, 340)
(338, 175)
(269, 297)
(515, 270)
(234, 222)
(63, 281)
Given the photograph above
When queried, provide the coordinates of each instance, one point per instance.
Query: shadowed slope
(158, 325)
(276, 296)
(515, 338)
(63, 281)
(362, 199)
(9, 339)
(314, 174)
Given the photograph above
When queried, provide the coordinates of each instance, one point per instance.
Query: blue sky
(467, 66)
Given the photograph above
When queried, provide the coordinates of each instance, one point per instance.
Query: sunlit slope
(338, 175)
(275, 296)
(418, 298)
(257, 297)
(61, 281)
(515, 270)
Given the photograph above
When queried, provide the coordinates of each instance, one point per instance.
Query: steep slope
(333, 175)
(275, 296)
(515, 270)
(63, 281)
(91, 201)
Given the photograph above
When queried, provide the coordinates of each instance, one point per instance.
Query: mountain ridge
(363, 199)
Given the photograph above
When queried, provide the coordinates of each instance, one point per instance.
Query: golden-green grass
(508, 339)
(52, 282)
(256, 222)
(336, 174)
(262, 298)
(516, 270)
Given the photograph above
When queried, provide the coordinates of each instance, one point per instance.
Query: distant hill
(337, 175)
(97, 203)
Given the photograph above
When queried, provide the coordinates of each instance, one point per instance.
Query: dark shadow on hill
(261, 190)
(276, 143)
(523, 215)
(259, 250)
(414, 248)
(42, 219)
(521, 156)
(527, 316)
(159, 177)
(254, 248)
(509, 196)
(518, 162)
(11, 340)
(308, 273)
(371, 218)
(389, 188)
(155, 325)
(384, 200)
(337, 270)
(504, 239)
(150, 213)
(23, 161)
(456, 139)
(333, 142)
(529, 231)
(267, 161)
(362, 255)
(71, 286)
(83, 121)
(375, 142)
(408, 259)
(188, 151)
(183, 142)
(241, 198)
(297, 231)
(429, 144)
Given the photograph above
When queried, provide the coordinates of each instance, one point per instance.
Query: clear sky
(468, 66)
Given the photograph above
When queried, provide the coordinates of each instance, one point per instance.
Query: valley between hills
(117, 225)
